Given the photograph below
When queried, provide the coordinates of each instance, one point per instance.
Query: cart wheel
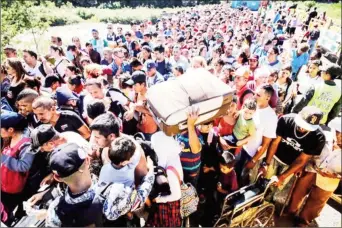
(263, 217)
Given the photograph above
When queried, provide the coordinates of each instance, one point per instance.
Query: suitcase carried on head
(169, 101)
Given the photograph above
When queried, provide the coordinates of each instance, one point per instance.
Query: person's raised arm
(194, 141)
(84, 131)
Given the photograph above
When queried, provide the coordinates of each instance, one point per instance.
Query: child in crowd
(227, 179)
(244, 128)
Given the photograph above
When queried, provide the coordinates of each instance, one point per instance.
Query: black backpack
(85, 213)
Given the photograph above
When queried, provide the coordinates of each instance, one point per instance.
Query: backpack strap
(175, 172)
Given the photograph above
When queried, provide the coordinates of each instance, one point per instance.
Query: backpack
(247, 91)
(129, 127)
(14, 181)
(85, 213)
(41, 69)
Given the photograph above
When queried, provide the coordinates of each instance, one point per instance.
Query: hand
(192, 115)
(36, 198)
(263, 171)
(224, 144)
(105, 156)
(279, 180)
(149, 163)
(207, 169)
(128, 115)
(250, 165)
(148, 202)
(47, 180)
(239, 143)
(43, 59)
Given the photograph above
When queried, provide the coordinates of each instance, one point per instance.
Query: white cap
(335, 124)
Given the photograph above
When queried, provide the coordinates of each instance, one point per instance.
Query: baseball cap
(309, 118)
(66, 159)
(254, 57)
(9, 47)
(137, 76)
(42, 134)
(332, 69)
(10, 119)
(63, 95)
(150, 64)
(336, 124)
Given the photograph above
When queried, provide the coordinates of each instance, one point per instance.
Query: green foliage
(85, 14)
(310, 4)
(16, 17)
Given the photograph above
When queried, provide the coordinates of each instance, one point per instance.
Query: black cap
(42, 134)
(66, 159)
(137, 77)
(181, 39)
(309, 118)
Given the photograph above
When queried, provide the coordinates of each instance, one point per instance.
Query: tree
(16, 17)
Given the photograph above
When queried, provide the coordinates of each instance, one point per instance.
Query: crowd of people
(76, 128)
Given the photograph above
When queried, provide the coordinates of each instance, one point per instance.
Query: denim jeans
(241, 159)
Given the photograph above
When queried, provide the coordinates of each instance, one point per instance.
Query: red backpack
(13, 181)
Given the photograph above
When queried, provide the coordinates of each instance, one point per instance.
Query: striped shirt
(190, 162)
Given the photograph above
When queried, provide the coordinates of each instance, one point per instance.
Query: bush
(310, 4)
(85, 14)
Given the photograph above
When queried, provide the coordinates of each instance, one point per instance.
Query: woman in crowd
(61, 62)
(17, 73)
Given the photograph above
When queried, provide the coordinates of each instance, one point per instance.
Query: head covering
(10, 119)
(63, 95)
(137, 77)
(335, 124)
(42, 134)
(150, 64)
(66, 159)
(309, 118)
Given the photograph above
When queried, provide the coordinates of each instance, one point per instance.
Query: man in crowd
(35, 67)
(326, 96)
(154, 77)
(93, 54)
(45, 110)
(98, 43)
(164, 67)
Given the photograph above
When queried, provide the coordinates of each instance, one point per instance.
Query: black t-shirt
(290, 147)
(69, 121)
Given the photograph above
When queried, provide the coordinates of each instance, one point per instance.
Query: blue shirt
(298, 61)
(124, 66)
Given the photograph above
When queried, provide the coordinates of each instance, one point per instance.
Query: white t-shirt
(73, 137)
(266, 124)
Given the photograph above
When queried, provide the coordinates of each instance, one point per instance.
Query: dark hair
(268, 89)
(16, 64)
(276, 50)
(20, 126)
(304, 47)
(59, 39)
(3, 69)
(135, 63)
(287, 67)
(106, 124)
(160, 49)
(227, 159)
(72, 47)
(244, 57)
(146, 48)
(250, 104)
(122, 149)
(59, 49)
(95, 108)
(31, 53)
(74, 69)
(32, 82)
(88, 44)
(220, 62)
(27, 93)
